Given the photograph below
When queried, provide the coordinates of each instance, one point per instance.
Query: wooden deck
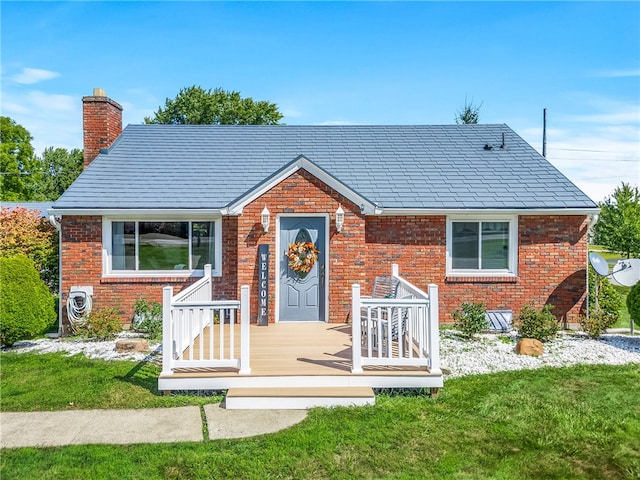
(315, 353)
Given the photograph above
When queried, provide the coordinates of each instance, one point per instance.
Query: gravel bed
(496, 352)
(105, 350)
(489, 353)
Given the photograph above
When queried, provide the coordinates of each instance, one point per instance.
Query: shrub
(633, 303)
(102, 324)
(26, 305)
(147, 318)
(470, 319)
(539, 324)
(597, 323)
(609, 300)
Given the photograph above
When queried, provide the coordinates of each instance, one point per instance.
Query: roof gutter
(147, 212)
(54, 222)
(58, 227)
(489, 211)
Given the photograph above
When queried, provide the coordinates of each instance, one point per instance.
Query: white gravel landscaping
(105, 350)
(496, 352)
(488, 354)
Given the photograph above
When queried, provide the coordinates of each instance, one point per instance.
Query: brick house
(473, 209)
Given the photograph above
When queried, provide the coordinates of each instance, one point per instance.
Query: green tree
(618, 227)
(25, 232)
(469, 115)
(17, 161)
(58, 168)
(196, 106)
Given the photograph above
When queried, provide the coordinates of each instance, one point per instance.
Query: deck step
(297, 398)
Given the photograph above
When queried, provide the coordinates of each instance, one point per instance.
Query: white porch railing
(198, 332)
(400, 331)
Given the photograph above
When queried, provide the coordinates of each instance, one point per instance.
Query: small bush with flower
(102, 324)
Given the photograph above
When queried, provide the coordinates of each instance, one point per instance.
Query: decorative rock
(132, 345)
(445, 370)
(529, 346)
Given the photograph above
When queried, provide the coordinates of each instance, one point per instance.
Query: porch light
(265, 219)
(339, 218)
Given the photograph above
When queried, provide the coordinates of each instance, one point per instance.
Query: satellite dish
(599, 264)
(627, 272)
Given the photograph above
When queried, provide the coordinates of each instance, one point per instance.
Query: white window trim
(108, 272)
(512, 271)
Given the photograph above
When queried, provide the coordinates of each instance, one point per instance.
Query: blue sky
(345, 63)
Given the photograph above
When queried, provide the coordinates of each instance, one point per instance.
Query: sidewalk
(156, 425)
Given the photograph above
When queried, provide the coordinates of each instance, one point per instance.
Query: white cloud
(596, 157)
(335, 122)
(631, 72)
(12, 108)
(596, 150)
(29, 76)
(627, 115)
(53, 120)
(289, 112)
(51, 102)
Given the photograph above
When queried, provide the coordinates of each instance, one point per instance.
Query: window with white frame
(482, 246)
(159, 246)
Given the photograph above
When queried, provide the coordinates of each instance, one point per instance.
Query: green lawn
(606, 254)
(32, 382)
(568, 423)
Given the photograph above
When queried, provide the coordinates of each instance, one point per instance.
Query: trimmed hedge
(27, 307)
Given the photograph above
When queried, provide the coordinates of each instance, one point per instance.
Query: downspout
(593, 219)
(58, 227)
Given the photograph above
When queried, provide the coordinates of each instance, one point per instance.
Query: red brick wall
(551, 263)
(416, 243)
(551, 257)
(303, 193)
(82, 266)
(101, 123)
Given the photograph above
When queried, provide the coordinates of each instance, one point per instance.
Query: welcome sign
(263, 284)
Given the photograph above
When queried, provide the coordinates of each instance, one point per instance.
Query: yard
(571, 422)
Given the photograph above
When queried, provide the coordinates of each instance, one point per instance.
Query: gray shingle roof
(406, 167)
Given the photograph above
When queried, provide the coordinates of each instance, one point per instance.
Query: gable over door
(302, 294)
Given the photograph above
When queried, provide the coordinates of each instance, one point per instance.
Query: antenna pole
(544, 133)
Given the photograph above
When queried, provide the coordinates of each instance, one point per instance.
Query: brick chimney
(101, 123)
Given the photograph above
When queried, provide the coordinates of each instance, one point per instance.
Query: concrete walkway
(154, 425)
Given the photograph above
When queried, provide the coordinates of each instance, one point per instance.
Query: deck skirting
(202, 382)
